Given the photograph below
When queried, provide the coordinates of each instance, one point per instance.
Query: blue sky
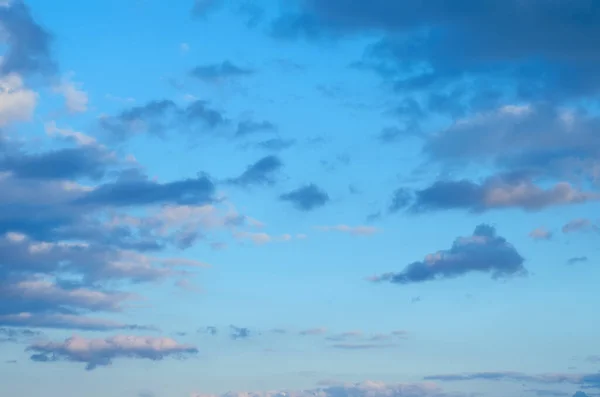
(334, 198)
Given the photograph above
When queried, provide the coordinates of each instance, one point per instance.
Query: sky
(341, 198)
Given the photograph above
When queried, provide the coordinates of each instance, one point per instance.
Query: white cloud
(76, 99)
(17, 103)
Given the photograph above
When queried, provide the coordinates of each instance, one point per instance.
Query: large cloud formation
(483, 252)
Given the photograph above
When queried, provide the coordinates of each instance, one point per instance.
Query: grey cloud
(249, 127)
(218, 72)
(580, 225)
(161, 116)
(239, 332)
(252, 12)
(498, 192)
(584, 380)
(313, 331)
(497, 40)
(28, 43)
(540, 138)
(70, 163)
(483, 252)
(260, 173)
(16, 335)
(401, 198)
(102, 352)
(306, 198)
(275, 144)
(203, 8)
(577, 259)
(140, 191)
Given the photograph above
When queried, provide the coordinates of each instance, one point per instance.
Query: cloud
(498, 41)
(306, 198)
(239, 332)
(536, 138)
(203, 8)
(16, 335)
(214, 73)
(363, 389)
(260, 173)
(498, 192)
(102, 352)
(577, 259)
(540, 233)
(401, 198)
(361, 346)
(313, 331)
(28, 43)
(141, 191)
(275, 144)
(585, 380)
(483, 252)
(580, 225)
(17, 103)
(161, 116)
(353, 230)
(76, 100)
(250, 127)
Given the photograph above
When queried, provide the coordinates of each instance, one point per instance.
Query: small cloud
(239, 332)
(214, 73)
(184, 47)
(353, 230)
(306, 198)
(577, 259)
(313, 331)
(76, 100)
(582, 225)
(540, 233)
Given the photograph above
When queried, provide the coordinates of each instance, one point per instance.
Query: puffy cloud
(306, 198)
(76, 99)
(17, 103)
(363, 389)
(102, 352)
(540, 233)
(484, 252)
(353, 230)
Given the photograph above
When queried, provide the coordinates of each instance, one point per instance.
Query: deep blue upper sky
(333, 198)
